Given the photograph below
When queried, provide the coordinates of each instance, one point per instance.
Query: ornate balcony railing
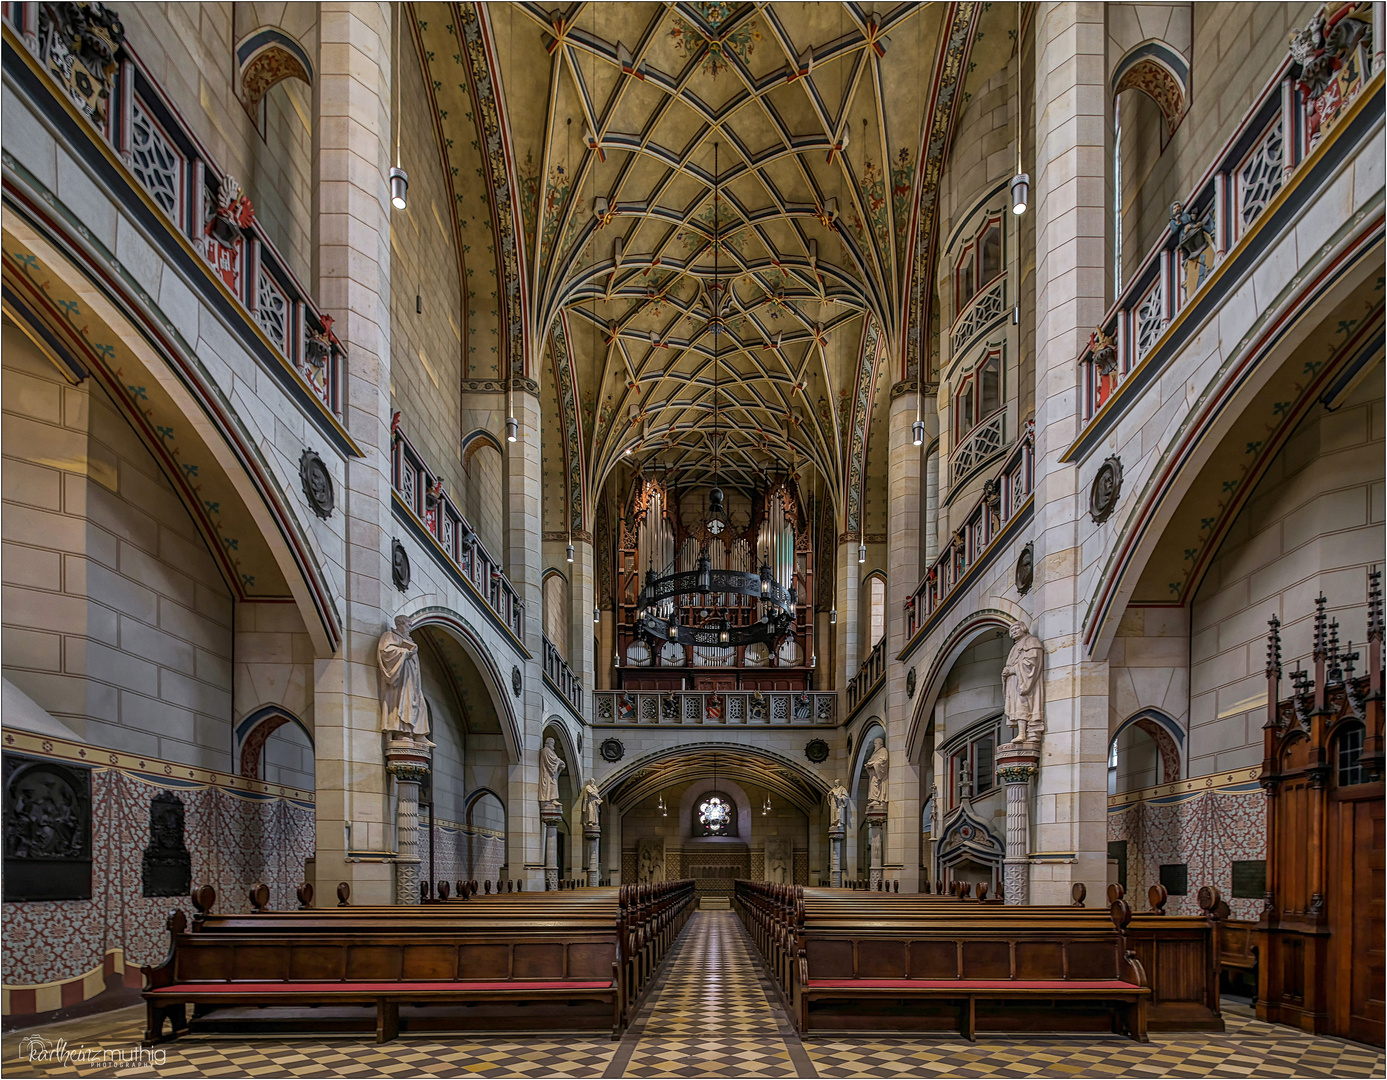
(719, 707)
(422, 493)
(1290, 117)
(1003, 497)
(558, 672)
(872, 671)
(108, 86)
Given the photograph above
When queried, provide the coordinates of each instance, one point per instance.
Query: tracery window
(979, 395)
(979, 263)
(715, 816)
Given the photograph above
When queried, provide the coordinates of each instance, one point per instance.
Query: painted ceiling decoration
(591, 132)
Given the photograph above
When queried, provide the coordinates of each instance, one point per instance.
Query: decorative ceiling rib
(660, 148)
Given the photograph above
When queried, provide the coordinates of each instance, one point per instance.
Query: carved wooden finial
(305, 894)
(1375, 604)
(259, 894)
(1335, 673)
(203, 899)
(1116, 891)
(1078, 893)
(1157, 896)
(1320, 641)
(443, 890)
(344, 894)
(1274, 648)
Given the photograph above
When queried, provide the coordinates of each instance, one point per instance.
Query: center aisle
(711, 1012)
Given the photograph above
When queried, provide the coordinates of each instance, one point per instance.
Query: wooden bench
(516, 961)
(939, 971)
(1178, 953)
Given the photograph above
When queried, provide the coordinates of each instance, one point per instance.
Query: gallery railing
(558, 672)
(714, 707)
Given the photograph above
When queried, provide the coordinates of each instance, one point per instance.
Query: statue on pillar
(403, 708)
(878, 765)
(837, 799)
(1022, 687)
(592, 799)
(550, 765)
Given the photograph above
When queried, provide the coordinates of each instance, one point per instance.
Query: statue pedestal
(592, 838)
(1016, 764)
(835, 856)
(550, 814)
(876, 824)
(407, 758)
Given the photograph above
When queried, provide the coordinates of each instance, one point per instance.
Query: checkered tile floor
(712, 1012)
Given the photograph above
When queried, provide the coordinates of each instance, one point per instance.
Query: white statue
(837, 799)
(650, 864)
(550, 765)
(592, 799)
(1022, 686)
(779, 860)
(878, 765)
(403, 708)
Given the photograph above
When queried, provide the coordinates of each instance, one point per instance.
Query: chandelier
(658, 598)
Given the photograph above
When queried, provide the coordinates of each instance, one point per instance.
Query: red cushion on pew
(970, 984)
(367, 987)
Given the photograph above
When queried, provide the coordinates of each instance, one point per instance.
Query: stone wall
(1313, 523)
(1236, 50)
(116, 619)
(189, 50)
(426, 362)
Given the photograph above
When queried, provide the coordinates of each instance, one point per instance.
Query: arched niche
(264, 57)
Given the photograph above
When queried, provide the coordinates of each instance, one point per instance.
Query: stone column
(592, 839)
(835, 843)
(847, 632)
(550, 818)
(351, 205)
(1072, 279)
(524, 566)
(903, 574)
(581, 628)
(407, 759)
(876, 829)
(1015, 767)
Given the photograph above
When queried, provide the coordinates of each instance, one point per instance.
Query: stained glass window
(714, 816)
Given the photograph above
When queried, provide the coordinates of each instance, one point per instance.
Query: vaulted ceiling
(709, 221)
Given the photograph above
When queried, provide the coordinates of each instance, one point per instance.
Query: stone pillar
(592, 839)
(581, 629)
(903, 574)
(525, 566)
(550, 818)
(835, 871)
(847, 632)
(1072, 278)
(351, 205)
(407, 759)
(876, 828)
(1016, 764)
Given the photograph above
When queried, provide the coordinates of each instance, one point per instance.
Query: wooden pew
(1177, 952)
(529, 961)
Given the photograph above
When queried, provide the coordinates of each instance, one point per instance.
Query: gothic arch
(1160, 73)
(950, 649)
(254, 730)
(1165, 732)
(267, 56)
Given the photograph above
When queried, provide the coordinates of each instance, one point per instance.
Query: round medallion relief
(816, 750)
(1025, 569)
(1107, 487)
(515, 682)
(399, 565)
(317, 484)
(612, 750)
(910, 683)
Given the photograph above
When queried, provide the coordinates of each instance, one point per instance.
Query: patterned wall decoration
(1207, 823)
(564, 379)
(934, 151)
(462, 853)
(872, 344)
(500, 179)
(239, 832)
